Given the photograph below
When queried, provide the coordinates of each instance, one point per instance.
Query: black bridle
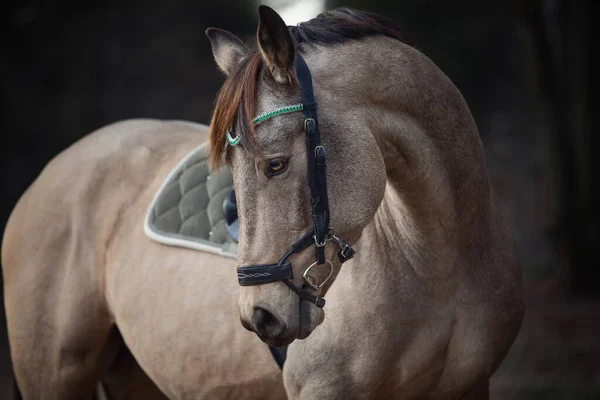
(321, 232)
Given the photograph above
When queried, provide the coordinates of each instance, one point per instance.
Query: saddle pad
(187, 210)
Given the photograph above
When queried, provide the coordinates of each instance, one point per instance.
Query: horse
(389, 180)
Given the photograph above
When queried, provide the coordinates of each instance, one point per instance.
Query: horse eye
(276, 167)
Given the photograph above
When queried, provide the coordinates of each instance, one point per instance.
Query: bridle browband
(317, 181)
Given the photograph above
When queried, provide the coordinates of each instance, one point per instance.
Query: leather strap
(306, 295)
(279, 355)
(300, 244)
(315, 156)
(266, 273)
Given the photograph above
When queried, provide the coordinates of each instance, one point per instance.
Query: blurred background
(525, 67)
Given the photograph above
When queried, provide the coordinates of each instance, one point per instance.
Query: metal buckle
(317, 241)
(346, 251)
(327, 236)
(315, 151)
(306, 121)
(310, 280)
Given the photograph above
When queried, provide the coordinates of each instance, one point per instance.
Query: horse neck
(437, 196)
(417, 220)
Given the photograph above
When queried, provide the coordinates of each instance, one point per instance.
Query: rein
(317, 180)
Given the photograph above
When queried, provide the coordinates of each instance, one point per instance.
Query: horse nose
(266, 324)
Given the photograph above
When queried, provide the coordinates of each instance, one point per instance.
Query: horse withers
(339, 136)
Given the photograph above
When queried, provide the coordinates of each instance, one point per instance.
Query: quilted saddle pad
(187, 210)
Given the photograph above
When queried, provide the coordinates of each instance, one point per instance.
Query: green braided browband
(233, 141)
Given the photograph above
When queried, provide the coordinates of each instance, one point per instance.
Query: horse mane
(237, 96)
(343, 24)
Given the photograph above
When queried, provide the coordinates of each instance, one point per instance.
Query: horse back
(76, 199)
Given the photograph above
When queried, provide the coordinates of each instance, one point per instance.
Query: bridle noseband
(317, 181)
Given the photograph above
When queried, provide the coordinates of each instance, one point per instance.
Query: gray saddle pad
(187, 210)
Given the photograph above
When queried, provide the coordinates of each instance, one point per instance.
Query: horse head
(302, 200)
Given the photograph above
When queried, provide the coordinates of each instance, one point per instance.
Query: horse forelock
(236, 99)
(237, 102)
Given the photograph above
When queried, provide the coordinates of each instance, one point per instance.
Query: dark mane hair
(343, 24)
(237, 97)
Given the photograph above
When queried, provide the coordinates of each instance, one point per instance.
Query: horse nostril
(266, 324)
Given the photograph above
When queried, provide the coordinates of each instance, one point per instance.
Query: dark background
(526, 68)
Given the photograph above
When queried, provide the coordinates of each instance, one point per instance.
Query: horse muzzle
(270, 329)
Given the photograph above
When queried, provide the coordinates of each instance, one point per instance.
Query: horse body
(77, 264)
(428, 307)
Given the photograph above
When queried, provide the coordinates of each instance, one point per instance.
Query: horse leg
(126, 380)
(479, 391)
(58, 361)
(60, 332)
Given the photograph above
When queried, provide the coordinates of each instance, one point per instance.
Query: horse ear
(276, 45)
(227, 49)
